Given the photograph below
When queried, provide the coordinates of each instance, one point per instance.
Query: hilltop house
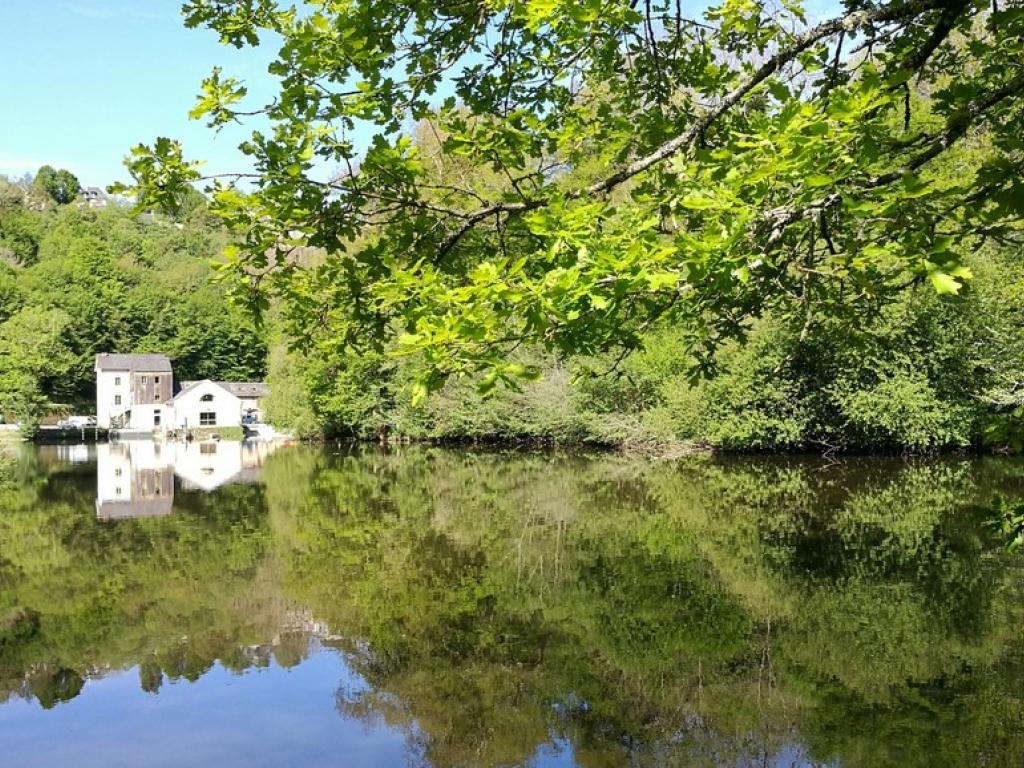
(138, 393)
(93, 197)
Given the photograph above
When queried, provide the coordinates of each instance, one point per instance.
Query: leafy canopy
(62, 186)
(652, 166)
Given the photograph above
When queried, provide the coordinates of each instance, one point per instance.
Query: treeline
(78, 280)
(923, 373)
(835, 365)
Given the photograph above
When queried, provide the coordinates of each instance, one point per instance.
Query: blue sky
(82, 81)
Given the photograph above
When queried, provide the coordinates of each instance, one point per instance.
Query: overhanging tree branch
(800, 43)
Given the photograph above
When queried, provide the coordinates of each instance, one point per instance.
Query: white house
(218, 404)
(137, 393)
(93, 197)
(132, 391)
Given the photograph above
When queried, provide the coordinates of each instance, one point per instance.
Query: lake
(232, 604)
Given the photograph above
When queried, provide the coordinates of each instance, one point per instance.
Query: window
(117, 491)
(117, 381)
(145, 379)
(207, 448)
(207, 419)
(156, 380)
(156, 418)
(117, 399)
(206, 399)
(117, 472)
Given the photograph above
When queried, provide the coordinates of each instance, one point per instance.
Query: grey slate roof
(245, 388)
(236, 388)
(146, 363)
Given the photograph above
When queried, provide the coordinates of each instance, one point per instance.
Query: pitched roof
(245, 388)
(148, 363)
(236, 388)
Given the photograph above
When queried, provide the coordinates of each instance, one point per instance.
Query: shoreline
(649, 449)
(658, 450)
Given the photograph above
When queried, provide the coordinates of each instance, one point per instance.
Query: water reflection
(464, 609)
(80, 453)
(136, 478)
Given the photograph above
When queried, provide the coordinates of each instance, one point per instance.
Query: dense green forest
(921, 372)
(924, 372)
(78, 280)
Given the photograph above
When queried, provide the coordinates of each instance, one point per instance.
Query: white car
(77, 422)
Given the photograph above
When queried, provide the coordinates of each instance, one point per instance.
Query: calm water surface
(234, 605)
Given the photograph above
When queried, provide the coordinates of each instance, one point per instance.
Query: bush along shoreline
(921, 375)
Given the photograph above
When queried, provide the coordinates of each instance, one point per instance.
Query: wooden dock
(49, 435)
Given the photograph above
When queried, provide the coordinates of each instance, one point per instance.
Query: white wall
(190, 404)
(109, 384)
(207, 465)
(144, 417)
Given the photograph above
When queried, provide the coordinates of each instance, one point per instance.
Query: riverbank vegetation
(922, 373)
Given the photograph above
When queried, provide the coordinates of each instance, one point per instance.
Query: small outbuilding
(208, 403)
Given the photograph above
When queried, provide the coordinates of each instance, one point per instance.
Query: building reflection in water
(75, 453)
(137, 478)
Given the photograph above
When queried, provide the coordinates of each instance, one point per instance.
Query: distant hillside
(76, 280)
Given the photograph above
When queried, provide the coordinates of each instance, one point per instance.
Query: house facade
(218, 404)
(132, 391)
(138, 393)
(93, 197)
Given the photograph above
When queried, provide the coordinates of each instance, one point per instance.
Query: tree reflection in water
(495, 605)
